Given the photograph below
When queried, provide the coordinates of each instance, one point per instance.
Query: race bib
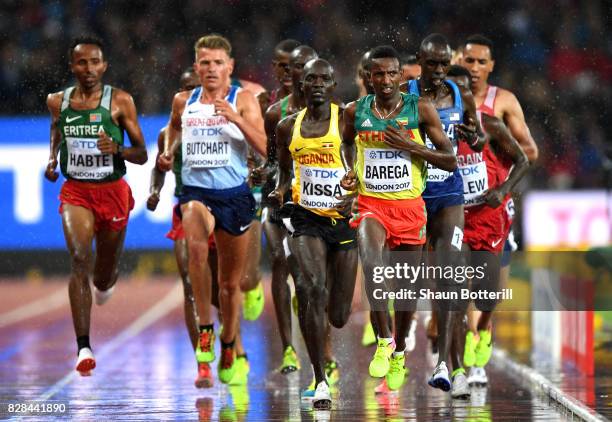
(475, 182)
(200, 152)
(435, 174)
(387, 170)
(85, 161)
(319, 187)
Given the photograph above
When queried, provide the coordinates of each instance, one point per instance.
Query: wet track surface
(145, 368)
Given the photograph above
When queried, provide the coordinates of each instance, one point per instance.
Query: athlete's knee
(198, 250)
(228, 287)
(339, 314)
(81, 260)
(319, 294)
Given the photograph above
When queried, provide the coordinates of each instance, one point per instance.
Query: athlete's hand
(494, 197)
(105, 143)
(50, 172)
(152, 201)
(223, 108)
(467, 131)
(165, 161)
(399, 139)
(345, 206)
(276, 197)
(259, 175)
(349, 181)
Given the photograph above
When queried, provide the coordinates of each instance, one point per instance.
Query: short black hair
(480, 39)
(384, 52)
(436, 39)
(456, 70)
(86, 39)
(287, 46)
(409, 59)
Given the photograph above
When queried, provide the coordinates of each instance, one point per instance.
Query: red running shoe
(205, 378)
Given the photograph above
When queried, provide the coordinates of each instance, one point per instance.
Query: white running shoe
(411, 339)
(102, 296)
(85, 362)
(461, 388)
(322, 397)
(477, 376)
(440, 378)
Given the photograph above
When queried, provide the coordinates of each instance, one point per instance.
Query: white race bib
(200, 152)
(386, 170)
(475, 182)
(85, 161)
(319, 187)
(435, 174)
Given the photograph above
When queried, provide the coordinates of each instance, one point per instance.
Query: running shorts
(178, 233)
(437, 203)
(486, 228)
(336, 233)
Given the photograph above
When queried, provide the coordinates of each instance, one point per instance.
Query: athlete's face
(435, 61)
(462, 81)
(88, 65)
(385, 77)
(214, 67)
(189, 81)
(477, 59)
(282, 71)
(318, 82)
(410, 72)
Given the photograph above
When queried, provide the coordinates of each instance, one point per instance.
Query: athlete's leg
(281, 294)
(78, 223)
(311, 290)
(252, 275)
(213, 263)
(404, 309)
(182, 262)
(198, 224)
(343, 268)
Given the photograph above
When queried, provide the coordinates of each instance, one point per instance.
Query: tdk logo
(211, 131)
(385, 155)
(322, 174)
(84, 144)
(467, 171)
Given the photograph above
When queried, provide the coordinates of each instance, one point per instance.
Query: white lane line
(173, 299)
(541, 384)
(38, 307)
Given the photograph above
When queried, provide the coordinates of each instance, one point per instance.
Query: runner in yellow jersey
(385, 156)
(322, 242)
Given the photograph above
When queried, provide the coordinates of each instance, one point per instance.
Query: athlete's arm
(514, 118)
(503, 141)
(173, 131)
(442, 156)
(470, 132)
(347, 148)
(157, 176)
(254, 87)
(128, 119)
(283, 179)
(247, 118)
(54, 102)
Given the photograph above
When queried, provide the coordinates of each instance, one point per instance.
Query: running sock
(388, 340)
(229, 345)
(82, 342)
(207, 327)
(398, 354)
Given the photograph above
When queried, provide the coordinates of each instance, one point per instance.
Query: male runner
(411, 69)
(322, 241)
(487, 222)
(362, 77)
(273, 225)
(217, 122)
(282, 74)
(387, 169)
(479, 60)
(443, 194)
(87, 124)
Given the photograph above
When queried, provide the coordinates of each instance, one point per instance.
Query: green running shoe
(469, 352)
(309, 392)
(253, 303)
(227, 365)
(369, 337)
(484, 348)
(241, 374)
(205, 350)
(332, 373)
(379, 366)
(397, 372)
(291, 363)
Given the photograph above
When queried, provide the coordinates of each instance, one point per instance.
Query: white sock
(388, 340)
(398, 354)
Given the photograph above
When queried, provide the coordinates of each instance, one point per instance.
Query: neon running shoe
(205, 350)
(322, 396)
(291, 363)
(309, 392)
(397, 371)
(369, 337)
(205, 377)
(85, 362)
(379, 366)
(253, 303)
(469, 352)
(461, 388)
(242, 369)
(227, 365)
(439, 378)
(332, 373)
(484, 348)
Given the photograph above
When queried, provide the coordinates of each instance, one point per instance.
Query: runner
(390, 212)
(282, 74)
(87, 125)
(322, 241)
(220, 121)
(443, 194)
(487, 221)
(363, 76)
(411, 69)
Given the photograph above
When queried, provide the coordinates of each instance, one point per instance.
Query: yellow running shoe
(379, 366)
(484, 348)
(368, 338)
(291, 363)
(227, 365)
(205, 350)
(397, 371)
(332, 373)
(241, 374)
(469, 352)
(253, 303)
